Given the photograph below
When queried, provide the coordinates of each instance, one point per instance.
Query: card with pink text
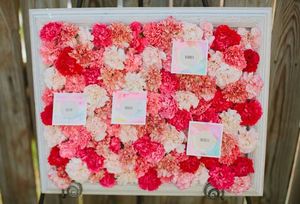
(189, 57)
(204, 139)
(129, 107)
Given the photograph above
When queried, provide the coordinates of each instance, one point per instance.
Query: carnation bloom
(153, 103)
(252, 59)
(53, 135)
(221, 177)
(112, 79)
(210, 163)
(242, 166)
(181, 120)
(168, 106)
(190, 165)
(254, 84)
(168, 166)
(138, 42)
(115, 145)
(75, 83)
(236, 92)
(114, 57)
(152, 56)
(149, 181)
(234, 56)
(214, 62)
(219, 103)
(169, 82)
(250, 39)
(183, 180)
(231, 121)
(133, 61)
(46, 115)
(250, 111)
(162, 33)
(53, 79)
(191, 32)
(153, 79)
(67, 36)
(186, 100)
(50, 31)
(207, 31)
(120, 34)
(77, 170)
(102, 35)
(108, 180)
(61, 183)
(134, 82)
(128, 133)
(91, 76)
(229, 151)
(247, 139)
(93, 161)
(49, 52)
(96, 127)
(66, 64)
(77, 134)
(226, 75)
(153, 152)
(224, 38)
(240, 185)
(55, 159)
(96, 97)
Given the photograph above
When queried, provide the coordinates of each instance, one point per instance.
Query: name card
(189, 57)
(129, 107)
(204, 139)
(69, 109)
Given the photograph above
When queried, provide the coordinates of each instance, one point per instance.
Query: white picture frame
(234, 17)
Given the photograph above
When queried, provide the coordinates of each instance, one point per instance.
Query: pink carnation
(102, 35)
(153, 152)
(47, 97)
(240, 185)
(230, 150)
(115, 145)
(108, 180)
(234, 56)
(184, 180)
(75, 83)
(236, 92)
(153, 103)
(149, 181)
(50, 31)
(92, 76)
(133, 61)
(121, 34)
(49, 52)
(93, 161)
(169, 82)
(168, 106)
(181, 120)
(138, 42)
(221, 178)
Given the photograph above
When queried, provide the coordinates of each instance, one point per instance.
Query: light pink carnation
(240, 185)
(254, 84)
(250, 39)
(153, 57)
(75, 83)
(183, 180)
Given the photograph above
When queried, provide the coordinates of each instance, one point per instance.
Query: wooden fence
(18, 163)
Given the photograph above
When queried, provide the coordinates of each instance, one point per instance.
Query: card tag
(189, 57)
(204, 139)
(129, 107)
(69, 109)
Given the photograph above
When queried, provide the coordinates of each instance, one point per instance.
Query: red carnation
(169, 82)
(66, 64)
(210, 163)
(221, 178)
(91, 75)
(115, 144)
(153, 152)
(102, 35)
(108, 180)
(190, 165)
(93, 161)
(243, 166)
(250, 112)
(149, 181)
(252, 59)
(210, 115)
(46, 115)
(219, 103)
(55, 159)
(138, 42)
(224, 38)
(50, 31)
(181, 120)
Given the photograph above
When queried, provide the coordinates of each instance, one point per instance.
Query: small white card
(129, 107)
(189, 57)
(204, 139)
(69, 109)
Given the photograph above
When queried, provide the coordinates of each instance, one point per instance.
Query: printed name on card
(189, 57)
(129, 107)
(204, 139)
(69, 109)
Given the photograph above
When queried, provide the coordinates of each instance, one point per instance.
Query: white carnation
(226, 75)
(231, 121)
(192, 31)
(85, 36)
(134, 82)
(114, 57)
(112, 163)
(247, 140)
(128, 133)
(53, 79)
(96, 97)
(77, 170)
(186, 100)
(53, 135)
(96, 127)
(128, 177)
(153, 57)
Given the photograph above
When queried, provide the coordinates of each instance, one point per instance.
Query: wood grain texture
(16, 172)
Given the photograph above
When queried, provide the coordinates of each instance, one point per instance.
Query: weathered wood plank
(16, 172)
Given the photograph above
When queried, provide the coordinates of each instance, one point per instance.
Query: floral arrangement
(101, 59)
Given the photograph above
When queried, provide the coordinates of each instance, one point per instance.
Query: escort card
(189, 57)
(129, 107)
(69, 109)
(204, 139)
